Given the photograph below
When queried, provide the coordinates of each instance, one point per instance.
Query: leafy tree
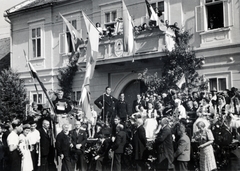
(178, 63)
(66, 75)
(12, 95)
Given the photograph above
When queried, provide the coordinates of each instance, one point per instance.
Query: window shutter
(228, 13)
(62, 43)
(199, 18)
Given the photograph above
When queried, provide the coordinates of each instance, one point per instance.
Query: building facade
(38, 29)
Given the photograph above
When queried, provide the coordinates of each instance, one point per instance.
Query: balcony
(148, 43)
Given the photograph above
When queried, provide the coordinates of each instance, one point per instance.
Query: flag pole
(31, 73)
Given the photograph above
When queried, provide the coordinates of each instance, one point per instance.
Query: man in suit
(118, 147)
(182, 154)
(122, 108)
(46, 148)
(63, 146)
(102, 154)
(164, 147)
(136, 103)
(79, 139)
(139, 142)
(106, 102)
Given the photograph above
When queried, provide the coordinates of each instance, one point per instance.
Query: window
(110, 12)
(36, 39)
(65, 40)
(213, 14)
(158, 7)
(36, 42)
(75, 96)
(219, 83)
(68, 34)
(110, 19)
(38, 98)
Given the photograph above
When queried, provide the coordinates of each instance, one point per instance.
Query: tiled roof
(30, 4)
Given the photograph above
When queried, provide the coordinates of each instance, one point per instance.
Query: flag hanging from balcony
(92, 47)
(152, 15)
(76, 37)
(127, 30)
(181, 81)
(91, 58)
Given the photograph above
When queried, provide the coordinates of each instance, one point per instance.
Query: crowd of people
(169, 131)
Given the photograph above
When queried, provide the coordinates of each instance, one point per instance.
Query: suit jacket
(63, 144)
(109, 103)
(135, 103)
(104, 148)
(45, 142)
(80, 138)
(164, 145)
(183, 150)
(120, 142)
(139, 142)
(122, 109)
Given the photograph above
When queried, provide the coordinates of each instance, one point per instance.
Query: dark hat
(26, 126)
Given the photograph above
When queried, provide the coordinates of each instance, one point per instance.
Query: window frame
(114, 6)
(220, 75)
(64, 46)
(201, 18)
(40, 26)
(37, 95)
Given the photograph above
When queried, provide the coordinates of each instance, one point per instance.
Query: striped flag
(35, 76)
(151, 14)
(127, 30)
(76, 37)
(181, 81)
(91, 58)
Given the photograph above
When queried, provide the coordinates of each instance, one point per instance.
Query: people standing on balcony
(62, 108)
(107, 103)
(99, 28)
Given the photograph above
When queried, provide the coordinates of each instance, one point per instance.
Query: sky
(5, 26)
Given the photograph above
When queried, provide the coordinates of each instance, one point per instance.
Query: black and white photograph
(120, 85)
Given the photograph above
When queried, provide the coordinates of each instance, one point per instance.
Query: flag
(76, 37)
(92, 47)
(91, 58)
(85, 99)
(181, 81)
(151, 14)
(35, 76)
(127, 30)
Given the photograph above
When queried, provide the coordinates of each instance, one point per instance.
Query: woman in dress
(203, 113)
(150, 123)
(27, 164)
(204, 138)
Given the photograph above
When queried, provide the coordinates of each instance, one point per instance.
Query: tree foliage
(180, 61)
(66, 75)
(12, 95)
